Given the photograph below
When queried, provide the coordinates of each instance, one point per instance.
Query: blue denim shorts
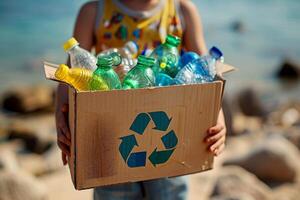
(159, 189)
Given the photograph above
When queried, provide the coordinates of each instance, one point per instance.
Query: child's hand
(63, 132)
(216, 137)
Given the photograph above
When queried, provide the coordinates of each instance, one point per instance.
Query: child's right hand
(63, 131)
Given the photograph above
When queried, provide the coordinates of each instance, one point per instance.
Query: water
(34, 31)
(272, 33)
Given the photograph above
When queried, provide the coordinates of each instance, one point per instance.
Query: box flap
(223, 68)
(49, 70)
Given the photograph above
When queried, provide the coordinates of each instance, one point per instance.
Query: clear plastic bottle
(128, 54)
(129, 50)
(80, 57)
(81, 79)
(199, 70)
(141, 75)
(167, 56)
(186, 58)
(105, 70)
(163, 80)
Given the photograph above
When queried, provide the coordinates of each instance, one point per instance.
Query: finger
(64, 148)
(215, 129)
(214, 138)
(218, 151)
(62, 138)
(64, 158)
(65, 111)
(65, 108)
(65, 129)
(217, 144)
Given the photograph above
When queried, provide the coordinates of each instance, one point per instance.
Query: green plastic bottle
(141, 75)
(167, 56)
(105, 70)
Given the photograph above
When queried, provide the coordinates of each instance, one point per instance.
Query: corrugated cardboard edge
(223, 68)
(49, 70)
(73, 126)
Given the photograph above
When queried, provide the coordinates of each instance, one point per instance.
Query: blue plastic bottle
(186, 58)
(162, 79)
(199, 70)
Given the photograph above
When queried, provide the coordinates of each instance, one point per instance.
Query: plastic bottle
(105, 70)
(129, 50)
(125, 67)
(186, 58)
(167, 56)
(163, 80)
(79, 57)
(141, 75)
(200, 70)
(128, 54)
(80, 78)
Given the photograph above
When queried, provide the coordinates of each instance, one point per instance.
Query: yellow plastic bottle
(81, 79)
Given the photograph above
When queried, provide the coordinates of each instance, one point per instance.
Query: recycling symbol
(138, 126)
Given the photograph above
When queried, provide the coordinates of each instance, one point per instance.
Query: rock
(289, 70)
(8, 160)
(53, 158)
(33, 164)
(287, 192)
(29, 99)
(273, 160)
(286, 115)
(239, 196)
(20, 186)
(228, 113)
(236, 182)
(293, 135)
(3, 133)
(250, 103)
(34, 140)
(290, 117)
(60, 186)
(245, 124)
(38, 165)
(238, 26)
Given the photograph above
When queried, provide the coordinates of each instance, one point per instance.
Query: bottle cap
(70, 44)
(173, 40)
(132, 47)
(62, 72)
(216, 53)
(104, 61)
(116, 58)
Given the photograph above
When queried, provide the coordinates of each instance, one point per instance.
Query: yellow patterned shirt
(116, 24)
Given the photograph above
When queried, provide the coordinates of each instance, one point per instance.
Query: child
(110, 23)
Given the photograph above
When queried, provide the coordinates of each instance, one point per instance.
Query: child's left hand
(216, 137)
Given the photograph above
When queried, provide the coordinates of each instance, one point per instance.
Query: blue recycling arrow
(137, 159)
(161, 120)
(159, 157)
(140, 123)
(170, 140)
(126, 146)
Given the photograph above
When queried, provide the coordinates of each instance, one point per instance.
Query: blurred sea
(32, 31)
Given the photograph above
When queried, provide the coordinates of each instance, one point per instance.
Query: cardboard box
(133, 135)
